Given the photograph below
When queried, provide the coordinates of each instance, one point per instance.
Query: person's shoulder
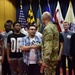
(73, 34)
(38, 34)
(38, 37)
(1, 38)
(22, 34)
(3, 32)
(60, 34)
(12, 34)
(10, 31)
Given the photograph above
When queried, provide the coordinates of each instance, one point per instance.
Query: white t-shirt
(32, 55)
(23, 31)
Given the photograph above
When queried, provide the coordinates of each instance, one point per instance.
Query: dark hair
(9, 21)
(16, 23)
(31, 26)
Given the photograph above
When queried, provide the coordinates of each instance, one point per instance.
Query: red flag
(58, 18)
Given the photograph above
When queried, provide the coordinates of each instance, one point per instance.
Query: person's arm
(8, 48)
(8, 52)
(27, 48)
(24, 47)
(47, 44)
(61, 43)
(2, 42)
(60, 51)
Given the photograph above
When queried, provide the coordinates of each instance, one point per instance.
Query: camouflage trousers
(51, 69)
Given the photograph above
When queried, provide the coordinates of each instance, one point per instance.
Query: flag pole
(21, 4)
(39, 23)
(47, 0)
(30, 1)
(39, 1)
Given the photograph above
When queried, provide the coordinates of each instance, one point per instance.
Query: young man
(10, 23)
(5, 64)
(66, 50)
(14, 54)
(31, 51)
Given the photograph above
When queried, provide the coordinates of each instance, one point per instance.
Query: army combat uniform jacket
(50, 47)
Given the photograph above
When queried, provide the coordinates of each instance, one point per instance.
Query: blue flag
(39, 21)
(22, 19)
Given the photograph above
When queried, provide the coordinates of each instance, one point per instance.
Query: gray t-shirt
(67, 36)
(5, 35)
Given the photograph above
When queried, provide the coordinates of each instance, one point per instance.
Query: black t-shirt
(14, 40)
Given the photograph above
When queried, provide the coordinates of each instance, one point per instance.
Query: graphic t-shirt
(32, 55)
(14, 40)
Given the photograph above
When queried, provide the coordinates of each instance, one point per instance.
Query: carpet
(66, 72)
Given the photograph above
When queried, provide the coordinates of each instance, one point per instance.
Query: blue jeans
(17, 66)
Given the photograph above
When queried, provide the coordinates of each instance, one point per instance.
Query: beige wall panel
(2, 14)
(7, 11)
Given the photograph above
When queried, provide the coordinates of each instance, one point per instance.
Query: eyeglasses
(32, 29)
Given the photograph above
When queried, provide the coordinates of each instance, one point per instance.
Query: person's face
(66, 26)
(17, 27)
(11, 24)
(32, 31)
(7, 27)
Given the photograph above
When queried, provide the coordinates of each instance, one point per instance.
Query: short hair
(46, 15)
(16, 23)
(66, 22)
(31, 26)
(9, 21)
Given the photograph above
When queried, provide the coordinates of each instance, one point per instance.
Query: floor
(66, 72)
(60, 71)
(0, 69)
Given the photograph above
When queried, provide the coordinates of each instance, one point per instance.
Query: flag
(70, 14)
(30, 18)
(38, 20)
(72, 27)
(58, 17)
(22, 19)
(49, 9)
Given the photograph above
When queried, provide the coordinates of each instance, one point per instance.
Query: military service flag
(30, 18)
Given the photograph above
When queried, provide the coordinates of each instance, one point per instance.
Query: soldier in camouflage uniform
(50, 45)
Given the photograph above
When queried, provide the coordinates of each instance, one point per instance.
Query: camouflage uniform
(50, 47)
